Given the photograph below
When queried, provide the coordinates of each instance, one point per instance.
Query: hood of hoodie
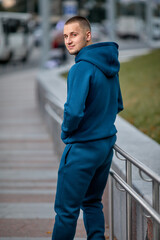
(103, 55)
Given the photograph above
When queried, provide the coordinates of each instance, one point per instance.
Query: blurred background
(31, 31)
(33, 70)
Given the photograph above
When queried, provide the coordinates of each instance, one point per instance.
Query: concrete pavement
(28, 164)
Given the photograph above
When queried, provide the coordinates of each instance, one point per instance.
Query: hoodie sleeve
(77, 91)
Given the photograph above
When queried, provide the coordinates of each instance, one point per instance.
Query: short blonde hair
(84, 23)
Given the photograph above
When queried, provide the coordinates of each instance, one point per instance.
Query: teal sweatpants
(82, 177)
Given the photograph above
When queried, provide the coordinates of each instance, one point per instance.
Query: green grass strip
(140, 84)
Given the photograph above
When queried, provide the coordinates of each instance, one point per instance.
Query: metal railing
(153, 210)
(53, 108)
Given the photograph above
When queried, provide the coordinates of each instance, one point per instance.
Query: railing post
(155, 203)
(111, 216)
(128, 201)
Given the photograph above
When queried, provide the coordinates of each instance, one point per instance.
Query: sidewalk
(28, 164)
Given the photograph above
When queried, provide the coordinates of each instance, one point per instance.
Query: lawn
(140, 84)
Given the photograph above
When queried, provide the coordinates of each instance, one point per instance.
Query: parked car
(16, 39)
(129, 27)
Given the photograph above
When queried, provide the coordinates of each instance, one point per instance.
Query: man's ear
(88, 35)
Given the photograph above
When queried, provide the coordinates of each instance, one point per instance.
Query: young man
(88, 130)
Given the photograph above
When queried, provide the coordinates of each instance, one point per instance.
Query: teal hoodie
(93, 94)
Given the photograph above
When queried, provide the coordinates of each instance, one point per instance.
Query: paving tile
(26, 198)
(28, 174)
(33, 228)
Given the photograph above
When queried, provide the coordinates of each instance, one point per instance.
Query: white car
(129, 27)
(16, 39)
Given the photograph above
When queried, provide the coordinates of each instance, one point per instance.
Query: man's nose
(69, 40)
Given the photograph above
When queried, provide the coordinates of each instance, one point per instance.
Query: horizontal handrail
(138, 164)
(136, 196)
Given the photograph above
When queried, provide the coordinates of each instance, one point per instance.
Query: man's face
(75, 37)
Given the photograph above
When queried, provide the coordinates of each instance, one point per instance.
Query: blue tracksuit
(88, 130)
